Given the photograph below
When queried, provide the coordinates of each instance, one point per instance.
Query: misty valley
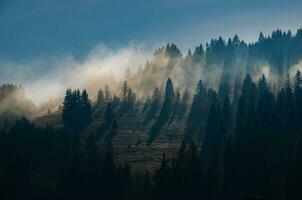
(221, 121)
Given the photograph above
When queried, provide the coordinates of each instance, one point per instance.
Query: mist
(48, 79)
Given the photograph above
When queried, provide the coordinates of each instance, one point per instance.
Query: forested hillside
(221, 60)
(224, 122)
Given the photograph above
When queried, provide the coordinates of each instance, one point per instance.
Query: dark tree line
(242, 141)
(76, 111)
(44, 163)
(248, 151)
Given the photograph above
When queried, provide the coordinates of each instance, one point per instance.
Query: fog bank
(49, 78)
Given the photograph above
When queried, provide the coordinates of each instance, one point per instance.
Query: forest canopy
(221, 122)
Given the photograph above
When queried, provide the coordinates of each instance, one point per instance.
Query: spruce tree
(108, 95)
(165, 113)
(212, 137)
(100, 98)
(85, 109)
(67, 106)
(197, 110)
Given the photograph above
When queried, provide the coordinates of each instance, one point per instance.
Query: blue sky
(38, 28)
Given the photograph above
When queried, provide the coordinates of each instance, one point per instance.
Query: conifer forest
(220, 121)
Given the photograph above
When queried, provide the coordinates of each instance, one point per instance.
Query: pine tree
(165, 113)
(199, 54)
(224, 90)
(176, 108)
(100, 98)
(125, 92)
(195, 118)
(107, 94)
(67, 106)
(212, 137)
(247, 101)
(85, 109)
(131, 98)
(262, 85)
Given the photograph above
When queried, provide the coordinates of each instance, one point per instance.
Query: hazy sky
(38, 28)
(49, 45)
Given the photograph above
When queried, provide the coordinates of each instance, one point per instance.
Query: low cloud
(49, 78)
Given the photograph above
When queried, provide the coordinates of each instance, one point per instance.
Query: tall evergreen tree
(100, 98)
(108, 95)
(67, 108)
(165, 113)
(196, 114)
(85, 109)
(212, 138)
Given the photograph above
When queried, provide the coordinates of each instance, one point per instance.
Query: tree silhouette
(165, 113)
(76, 113)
